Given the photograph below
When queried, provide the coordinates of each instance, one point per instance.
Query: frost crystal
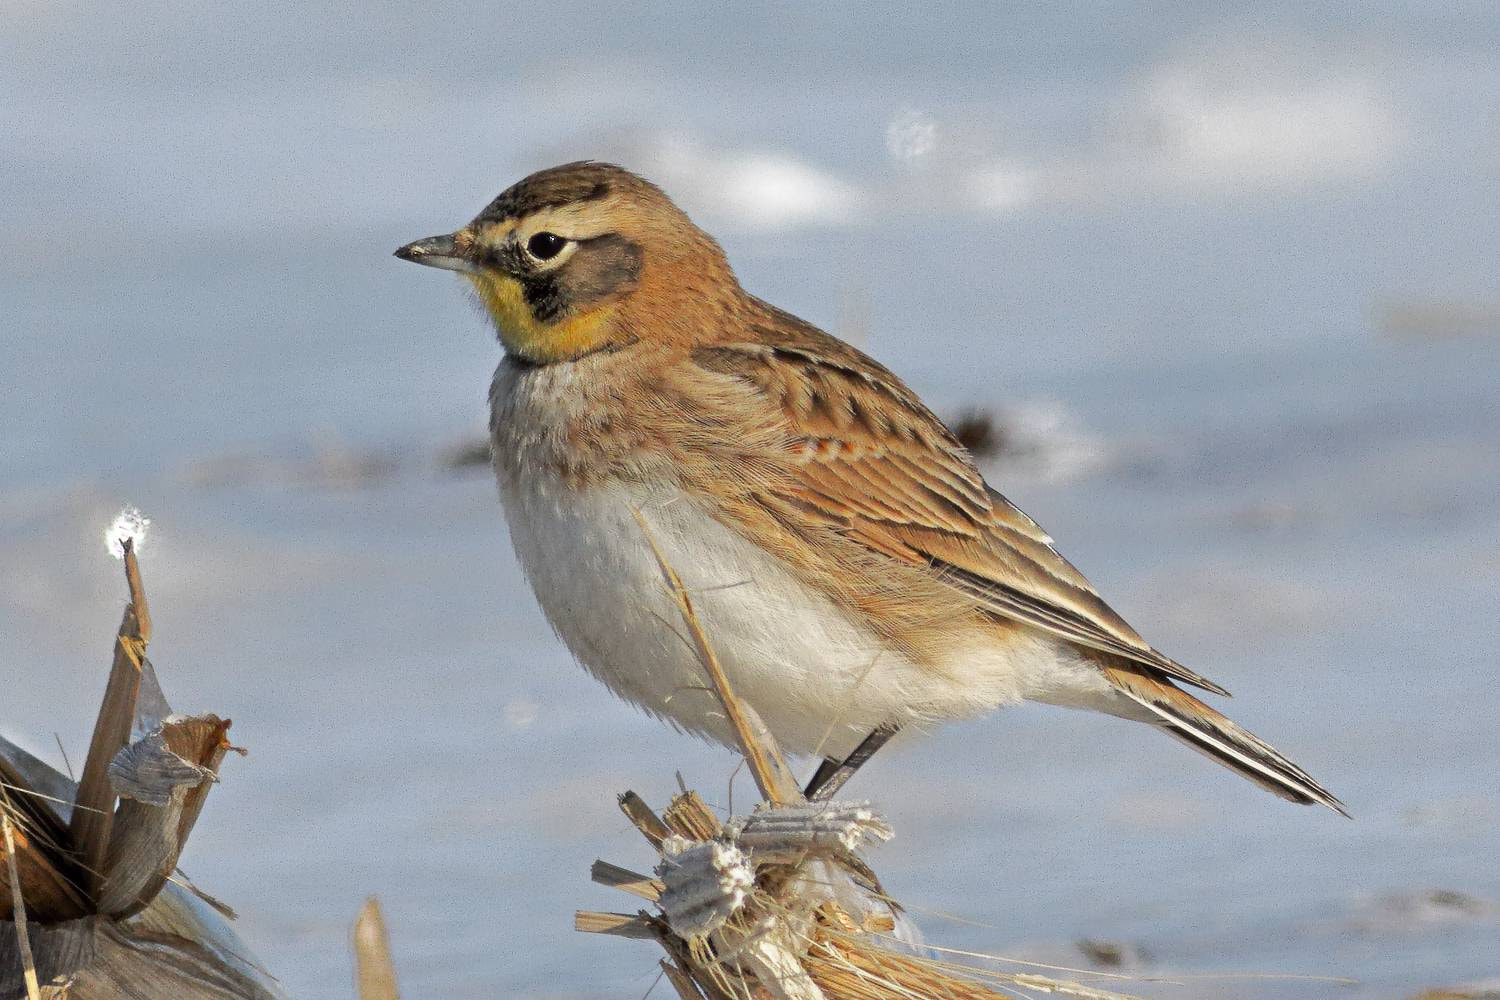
(129, 524)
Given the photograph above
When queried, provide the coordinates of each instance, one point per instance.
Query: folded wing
(868, 458)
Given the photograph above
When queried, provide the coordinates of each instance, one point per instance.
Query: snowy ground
(1234, 279)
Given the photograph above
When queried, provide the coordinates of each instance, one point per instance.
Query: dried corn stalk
(102, 916)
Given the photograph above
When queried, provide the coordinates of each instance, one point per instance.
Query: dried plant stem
(772, 776)
(137, 593)
(645, 819)
(689, 816)
(91, 824)
(635, 883)
(375, 973)
(18, 906)
(680, 980)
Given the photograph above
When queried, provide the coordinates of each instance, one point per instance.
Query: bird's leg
(832, 774)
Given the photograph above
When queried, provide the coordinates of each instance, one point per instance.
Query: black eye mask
(603, 267)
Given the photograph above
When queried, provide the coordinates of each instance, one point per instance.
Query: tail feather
(1216, 737)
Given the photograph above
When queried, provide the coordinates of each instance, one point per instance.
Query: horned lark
(856, 574)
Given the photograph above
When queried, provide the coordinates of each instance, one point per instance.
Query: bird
(856, 574)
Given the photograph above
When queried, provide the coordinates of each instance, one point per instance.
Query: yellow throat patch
(526, 336)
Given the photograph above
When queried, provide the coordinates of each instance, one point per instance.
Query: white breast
(821, 680)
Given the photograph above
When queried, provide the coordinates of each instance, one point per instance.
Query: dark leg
(827, 768)
(831, 774)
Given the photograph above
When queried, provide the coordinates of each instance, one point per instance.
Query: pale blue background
(1173, 241)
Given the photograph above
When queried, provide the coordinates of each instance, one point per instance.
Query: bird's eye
(545, 246)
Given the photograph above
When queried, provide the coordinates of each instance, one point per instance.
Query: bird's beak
(438, 251)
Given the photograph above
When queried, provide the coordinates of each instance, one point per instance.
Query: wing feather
(867, 457)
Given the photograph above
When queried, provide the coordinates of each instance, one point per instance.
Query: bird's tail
(1215, 736)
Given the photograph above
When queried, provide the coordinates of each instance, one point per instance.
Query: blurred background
(1223, 282)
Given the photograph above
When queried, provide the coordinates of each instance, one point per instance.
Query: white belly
(820, 680)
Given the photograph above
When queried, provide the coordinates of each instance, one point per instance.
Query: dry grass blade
(848, 965)
(772, 776)
(374, 971)
(850, 971)
(711, 982)
(18, 910)
(33, 808)
(49, 884)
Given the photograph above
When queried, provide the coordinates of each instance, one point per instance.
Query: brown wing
(870, 459)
